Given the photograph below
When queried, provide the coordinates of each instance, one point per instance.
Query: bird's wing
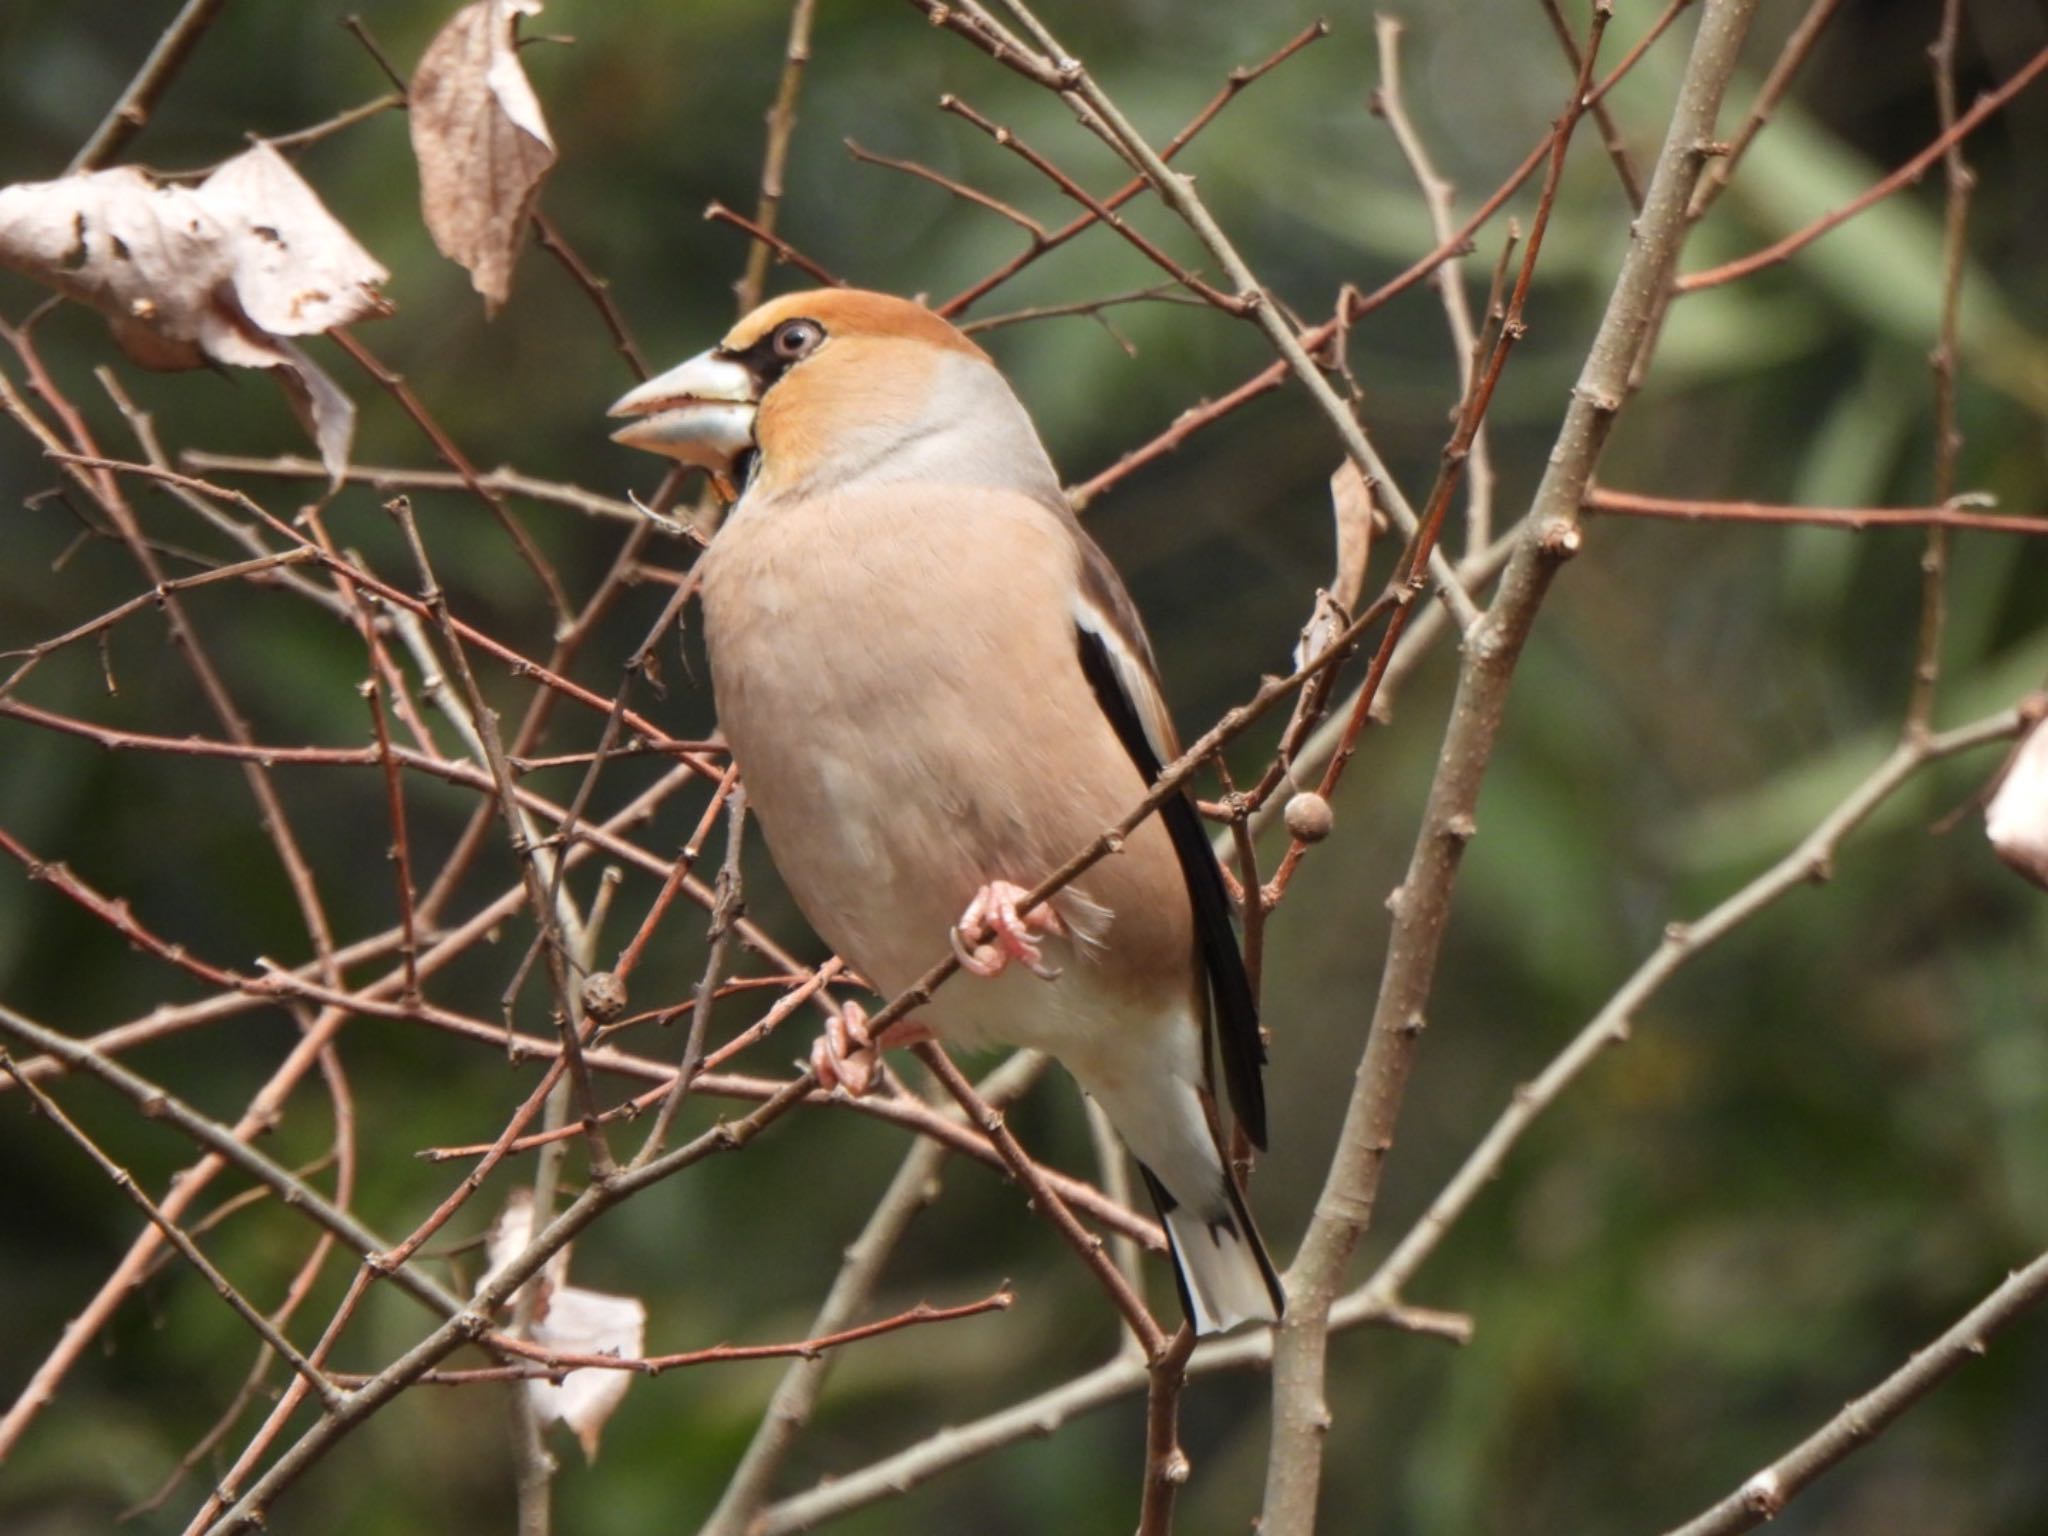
(1117, 661)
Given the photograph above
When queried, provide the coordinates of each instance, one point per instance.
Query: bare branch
(1863, 1419)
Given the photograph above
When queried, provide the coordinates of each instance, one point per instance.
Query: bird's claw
(848, 1054)
(844, 1056)
(1011, 935)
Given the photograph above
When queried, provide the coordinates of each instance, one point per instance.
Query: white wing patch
(1134, 678)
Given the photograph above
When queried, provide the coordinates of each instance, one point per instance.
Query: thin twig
(1046, 1413)
(395, 385)
(1608, 501)
(718, 213)
(1096, 207)
(330, 1396)
(1986, 107)
(1813, 859)
(560, 929)
(796, 54)
(1785, 69)
(1422, 904)
(1610, 131)
(138, 102)
(1861, 1420)
(1942, 363)
(1237, 81)
(1166, 1464)
(1046, 1200)
(914, 1186)
(1437, 197)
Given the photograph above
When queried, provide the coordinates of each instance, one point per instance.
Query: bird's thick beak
(701, 412)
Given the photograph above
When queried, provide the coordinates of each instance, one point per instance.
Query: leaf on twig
(572, 1321)
(482, 144)
(2016, 820)
(1351, 506)
(217, 273)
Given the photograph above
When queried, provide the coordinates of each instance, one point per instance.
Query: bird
(937, 690)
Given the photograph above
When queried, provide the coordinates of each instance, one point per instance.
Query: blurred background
(1829, 1135)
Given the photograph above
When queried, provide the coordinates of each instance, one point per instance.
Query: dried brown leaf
(2016, 820)
(217, 273)
(1351, 504)
(482, 144)
(1351, 507)
(150, 258)
(297, 271)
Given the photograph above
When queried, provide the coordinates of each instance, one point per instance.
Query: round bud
(1309, 817)
(604, 996)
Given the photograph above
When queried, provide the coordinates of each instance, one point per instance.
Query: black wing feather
(1239, 1043)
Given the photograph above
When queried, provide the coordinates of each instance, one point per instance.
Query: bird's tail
(1220, 1264)
(1169, 1123)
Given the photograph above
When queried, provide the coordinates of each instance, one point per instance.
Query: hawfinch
(937, 691)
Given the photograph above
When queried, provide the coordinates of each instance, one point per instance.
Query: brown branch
(1461, 239)
(1683, 941)
(32, 655)
(1422, 903)
(329, 1395)
(251, 1509)
(1784, 70)
(553, 1365)
(729, 900)
(1606, 500)
(995, 205)
(1046, 1200)
(1610, 132)
(781, 126)
(914, 1186)
(1161, 293)
(395, 385)
(1098, 209)
(1353, 306)
(555, 922)
(718, 213)
(1238, 79)
(1861, 1420)
(1986, 107)
(1253, 300)
(1942, 363)
(503, 482)
(511, 657)
(138, 102)
(597, 289)
(976, 28)
(1166, 1464)
(1389, 102)
(1047, 1412)
(1471, 413)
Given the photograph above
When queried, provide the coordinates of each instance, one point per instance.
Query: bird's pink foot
(848, 1054)
(991, 932)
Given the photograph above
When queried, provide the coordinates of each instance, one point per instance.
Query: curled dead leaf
(2016, 819)
(217, 273)
(1351, 508)
(481, 141)
(570, 1320)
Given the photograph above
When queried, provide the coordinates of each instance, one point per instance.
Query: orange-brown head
(836, 385)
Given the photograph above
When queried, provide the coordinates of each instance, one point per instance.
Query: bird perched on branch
(937, 691)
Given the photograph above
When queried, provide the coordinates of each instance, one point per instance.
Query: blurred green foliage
(1829, 1135)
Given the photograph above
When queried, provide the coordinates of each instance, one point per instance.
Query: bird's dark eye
(797, 338)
